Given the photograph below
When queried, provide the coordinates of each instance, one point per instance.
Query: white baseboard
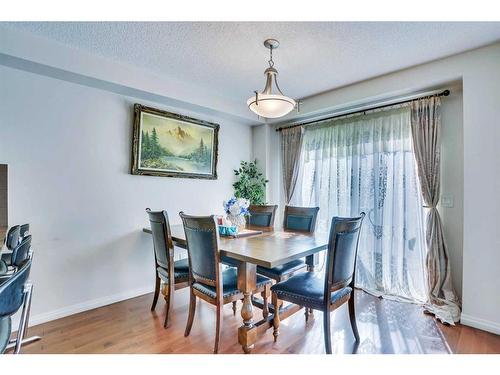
(81, 307)
(485, 325)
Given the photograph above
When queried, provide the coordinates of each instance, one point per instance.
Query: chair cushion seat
(229, 261)
(5, 327)
(283, 270)
(181, 270)
(229, 284)
(307, 289)
(3, 267)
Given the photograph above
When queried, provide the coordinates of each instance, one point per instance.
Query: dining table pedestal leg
(247, 279)
(312, 261)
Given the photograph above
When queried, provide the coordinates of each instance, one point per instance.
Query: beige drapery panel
(291, 149)
(426, 133)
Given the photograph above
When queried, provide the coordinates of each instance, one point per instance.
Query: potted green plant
(251, 183)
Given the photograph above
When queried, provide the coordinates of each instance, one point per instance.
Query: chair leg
(276, 319)
(24, 319)
(28, 313)
(306, 313)
(157, 293)
(234, 307)
(218, 328)
(326, 331)
(165, 323)
(169, 298)
(352, 317)
(20, 339)
(265, 296)
(192, 310)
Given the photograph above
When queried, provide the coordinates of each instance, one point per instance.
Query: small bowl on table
(228, 230)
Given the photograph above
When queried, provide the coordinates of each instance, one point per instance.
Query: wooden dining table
(268, 249)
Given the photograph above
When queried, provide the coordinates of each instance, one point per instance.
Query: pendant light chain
(271, 62)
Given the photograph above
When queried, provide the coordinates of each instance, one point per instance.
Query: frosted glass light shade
(270, 105)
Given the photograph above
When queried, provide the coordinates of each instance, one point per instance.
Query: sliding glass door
(366, 163)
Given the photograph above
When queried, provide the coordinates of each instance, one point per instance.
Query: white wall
(46, 56)
(479, 71)
(68, 148)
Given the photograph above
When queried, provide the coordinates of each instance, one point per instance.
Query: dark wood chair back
(300, 219)
(162, 238)
(342, 253)
(203, 248)
(262, 215)
(12, 238)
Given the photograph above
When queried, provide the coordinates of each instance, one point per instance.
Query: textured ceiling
(230, 58)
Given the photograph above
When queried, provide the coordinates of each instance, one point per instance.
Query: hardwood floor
(468, 340)
(130, 327)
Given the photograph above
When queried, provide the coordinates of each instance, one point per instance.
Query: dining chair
(326, 292)
(300, 219)
(15, 291)
(174, 275)
(12, 238)
(262, 216)
(17, 257)
(297, 219)
(24, 230)
(21, 252)
(10, 242)
(207, 280)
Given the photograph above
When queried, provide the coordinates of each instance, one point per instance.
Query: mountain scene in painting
(172, 145)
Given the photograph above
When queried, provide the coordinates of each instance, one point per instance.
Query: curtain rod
(443, 93)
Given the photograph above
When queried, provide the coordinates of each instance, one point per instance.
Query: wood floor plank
(130, 327)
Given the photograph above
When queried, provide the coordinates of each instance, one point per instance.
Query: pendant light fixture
(266, 103)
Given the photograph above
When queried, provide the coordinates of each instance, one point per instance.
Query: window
(366, 164)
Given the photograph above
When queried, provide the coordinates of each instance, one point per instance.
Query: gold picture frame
(171, 145)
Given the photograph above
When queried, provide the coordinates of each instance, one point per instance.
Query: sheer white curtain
(366, 163)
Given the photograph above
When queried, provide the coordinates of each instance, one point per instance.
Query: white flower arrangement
(236, 209)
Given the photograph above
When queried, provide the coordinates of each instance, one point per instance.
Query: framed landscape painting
(171, 145)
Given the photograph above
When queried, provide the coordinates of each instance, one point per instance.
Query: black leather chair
(15, 236)
(21, 252)
(12, 238)
(262, 216)
(15, 291)
(297, 219)
(206, 278)
(24, 230)
(300, 219)
(11, 241)
(174, 275)
(329, 291)
(18, 256)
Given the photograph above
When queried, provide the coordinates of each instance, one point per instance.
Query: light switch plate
(447, 201)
